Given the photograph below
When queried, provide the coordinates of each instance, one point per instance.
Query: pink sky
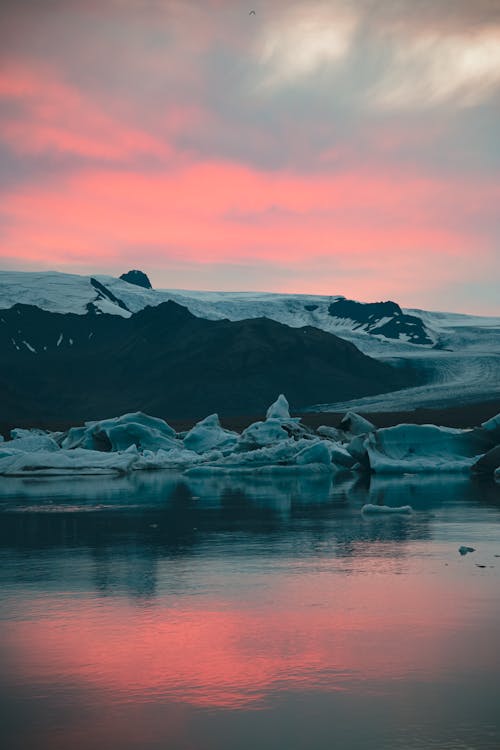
(320, 147)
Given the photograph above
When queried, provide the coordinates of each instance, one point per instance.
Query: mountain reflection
(126, 525)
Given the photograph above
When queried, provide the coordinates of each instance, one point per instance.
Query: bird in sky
(252, 13)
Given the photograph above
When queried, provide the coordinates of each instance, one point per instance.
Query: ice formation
(416, 448)
(119, 433)
(208, 434)
(61, 462)
(354, 425)
(279, 443)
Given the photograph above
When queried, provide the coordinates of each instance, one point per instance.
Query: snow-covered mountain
(460, 353)
(71, 293)
(166, 361)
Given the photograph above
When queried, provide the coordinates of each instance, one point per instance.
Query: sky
(329, 147)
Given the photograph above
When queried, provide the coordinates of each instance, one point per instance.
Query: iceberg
(352, 424)
(330, 433)
(315, 453)
(76, 461)
(278, 425)
(287, 455)
(262, 434)
(417, 448)
(208, 434)
(29, 442)
(279, 443)
(280, 409)
(176, 458)
(22, 432)
(119, 433)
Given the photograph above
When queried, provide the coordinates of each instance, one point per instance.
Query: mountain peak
(139, 278)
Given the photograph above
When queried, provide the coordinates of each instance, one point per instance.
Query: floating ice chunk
(208, 434)
(21, 432)
(465, 550)
(353, 424)
(76, 461)
(283, 453)
(357, 449)
(291, 455)
(30, 442)
(417, 448)
(330, 433)
(370, 508)
(341, 457)
(118, 433)
(280, 452)
(122, 436)
(177, 458)
(78, 437)
(280, 409)
(315, 453)
(261, 434)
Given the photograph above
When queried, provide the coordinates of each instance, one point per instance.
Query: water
(160, 612)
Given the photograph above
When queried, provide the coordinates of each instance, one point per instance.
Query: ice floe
(279, 443)
(119, 433)
(353, 424)
(421, 448)
(279, 410)
(208, 434)
(77, 461)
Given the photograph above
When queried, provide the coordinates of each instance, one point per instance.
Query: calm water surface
(161, 612)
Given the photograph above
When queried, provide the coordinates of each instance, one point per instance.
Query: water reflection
(159, 596)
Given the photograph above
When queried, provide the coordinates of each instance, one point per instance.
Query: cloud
(354, 139)
(431, 70)
(52, 116)
(396, 234)
(303, 40)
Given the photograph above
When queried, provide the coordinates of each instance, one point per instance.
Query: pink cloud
(388, 227)
(367, 230)
(55, 117)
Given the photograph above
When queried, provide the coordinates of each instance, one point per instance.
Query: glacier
(459, 354)
(279, 443)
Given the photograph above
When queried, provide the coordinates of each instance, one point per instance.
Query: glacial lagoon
(159, 610)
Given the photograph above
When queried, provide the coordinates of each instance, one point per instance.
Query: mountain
(132, 292)
(166, 361)
(139, 278)
(457, 355)
(381, 319)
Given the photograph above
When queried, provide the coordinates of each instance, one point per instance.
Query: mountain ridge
(165, 360)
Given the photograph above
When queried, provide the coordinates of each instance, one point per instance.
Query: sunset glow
(319, 147)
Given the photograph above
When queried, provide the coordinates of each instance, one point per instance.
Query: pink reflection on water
(302, 632)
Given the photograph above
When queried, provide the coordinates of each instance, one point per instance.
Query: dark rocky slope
(165, 361)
